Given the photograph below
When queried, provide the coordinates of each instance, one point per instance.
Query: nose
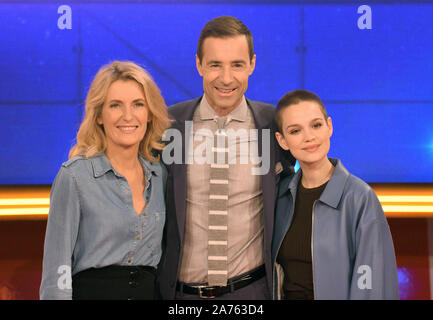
(309, 135)
(226, 75)
(127, 113)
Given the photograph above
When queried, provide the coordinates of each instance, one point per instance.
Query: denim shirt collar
(333, 191)
(101, 165)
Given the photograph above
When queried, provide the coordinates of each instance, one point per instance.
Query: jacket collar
(333, 191)
(101, 165)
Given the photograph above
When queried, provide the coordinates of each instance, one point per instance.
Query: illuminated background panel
(360, 74)
(392, 62)
(377, 86)
(168, 49)
(38, 94)
(101, 34)
(38, 61)
(383, 142)
(34, 140)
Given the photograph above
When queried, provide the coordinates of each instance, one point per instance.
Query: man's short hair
(295, 97)
(224, 27)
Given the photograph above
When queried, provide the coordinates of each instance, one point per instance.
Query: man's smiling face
(225, 68)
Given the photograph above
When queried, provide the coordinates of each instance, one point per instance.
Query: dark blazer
(176, 194)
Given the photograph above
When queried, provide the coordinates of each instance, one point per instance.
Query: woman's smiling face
(124, 115)
(305, 132)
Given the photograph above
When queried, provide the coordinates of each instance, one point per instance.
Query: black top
(295, 252)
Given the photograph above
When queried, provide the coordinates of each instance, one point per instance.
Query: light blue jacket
(352, 249)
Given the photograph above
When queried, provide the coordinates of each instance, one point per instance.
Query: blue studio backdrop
(373, 69)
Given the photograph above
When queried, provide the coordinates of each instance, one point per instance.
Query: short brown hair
(295, 97)
(224, 27)
(91, 136)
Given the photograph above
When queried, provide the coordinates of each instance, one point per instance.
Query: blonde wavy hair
(91, 137)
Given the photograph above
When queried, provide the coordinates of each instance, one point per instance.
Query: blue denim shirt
(92, 222)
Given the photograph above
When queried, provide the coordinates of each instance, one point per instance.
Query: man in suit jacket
(220, 215)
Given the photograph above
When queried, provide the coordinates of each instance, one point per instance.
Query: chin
(311, 159)
(225, 103)
(127, 144)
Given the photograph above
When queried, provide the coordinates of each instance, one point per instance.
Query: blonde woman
(107, 211)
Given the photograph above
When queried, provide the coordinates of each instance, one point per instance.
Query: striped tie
(218, 199)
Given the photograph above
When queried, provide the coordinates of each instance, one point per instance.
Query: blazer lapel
(179, 170)
(269, 179)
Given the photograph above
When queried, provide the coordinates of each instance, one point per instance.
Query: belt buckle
(204, 289)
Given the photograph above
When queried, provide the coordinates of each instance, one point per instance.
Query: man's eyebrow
(213, 62)
(219, 62)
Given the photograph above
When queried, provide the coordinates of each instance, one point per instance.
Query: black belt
(215, 291)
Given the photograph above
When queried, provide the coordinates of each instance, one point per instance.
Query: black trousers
(115, 283)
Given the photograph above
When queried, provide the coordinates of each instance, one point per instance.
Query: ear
(198, 65)
(99, 120)
(281, 141)
(331, 129)
(252, 64)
